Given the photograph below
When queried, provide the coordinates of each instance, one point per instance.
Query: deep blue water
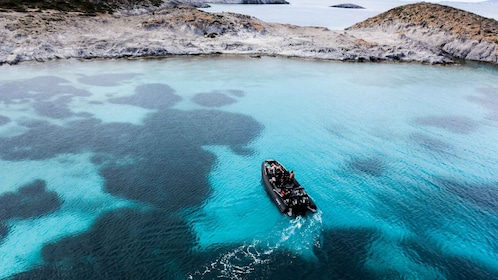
(150, 169)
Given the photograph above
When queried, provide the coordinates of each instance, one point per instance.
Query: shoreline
(43, 36)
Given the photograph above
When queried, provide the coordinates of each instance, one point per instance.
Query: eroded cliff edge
(458, 33)
(407, 33)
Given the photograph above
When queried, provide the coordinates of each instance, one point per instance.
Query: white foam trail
(300, 235)
(236, 263)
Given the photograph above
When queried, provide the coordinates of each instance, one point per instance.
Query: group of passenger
(279, 176)
(287, 188)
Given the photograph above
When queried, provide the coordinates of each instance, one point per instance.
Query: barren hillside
(457, 22)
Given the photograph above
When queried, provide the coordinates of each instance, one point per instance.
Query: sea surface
(150, 168)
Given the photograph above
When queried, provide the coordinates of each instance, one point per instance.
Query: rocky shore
(397, 35)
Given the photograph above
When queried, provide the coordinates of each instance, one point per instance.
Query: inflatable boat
(284, 190)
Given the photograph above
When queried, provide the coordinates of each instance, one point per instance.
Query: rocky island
(422, 32)
(347, 6)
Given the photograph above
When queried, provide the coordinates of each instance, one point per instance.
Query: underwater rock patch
(370, 166)
(30, 201)
(213, 99)
(429, 142)
(488, 100)
(344, 252)
(423, 215)
(236, 92)
(455, 124)
(106, 80)
(168, 166)
(171, 167)
(40, 88)
(57, 109)
(451, 265)
(4, 230)
(160, 163)
(150, 96)
(4, 120)
(31, 123)
(481, 195)
(122, 244)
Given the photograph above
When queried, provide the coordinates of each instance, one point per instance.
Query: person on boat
(268, 168)
(291, 176)
(279, 171)
(273, 180)
(278, 181)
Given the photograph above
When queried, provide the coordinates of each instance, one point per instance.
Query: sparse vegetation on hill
(82, 6)
(458, 22)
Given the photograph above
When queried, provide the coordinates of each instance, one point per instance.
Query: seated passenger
(278, 182)
(291, 176)
(278, 170)
(273, 180)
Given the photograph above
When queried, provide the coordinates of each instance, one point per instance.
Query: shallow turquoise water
(151, 169)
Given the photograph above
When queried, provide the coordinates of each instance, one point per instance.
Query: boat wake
(235, 264)
(292, 237)
(300, 229)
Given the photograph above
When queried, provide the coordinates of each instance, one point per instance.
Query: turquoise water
(150, 169)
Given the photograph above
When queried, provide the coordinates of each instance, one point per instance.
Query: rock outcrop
(347, 6)
(457, 33)
(181, 30)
